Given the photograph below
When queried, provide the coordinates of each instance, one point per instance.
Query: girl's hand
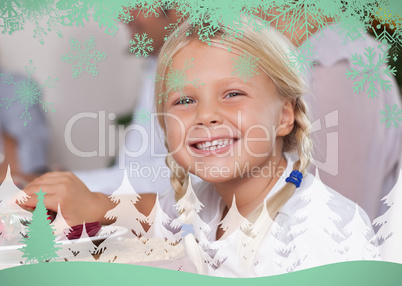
(77, 203)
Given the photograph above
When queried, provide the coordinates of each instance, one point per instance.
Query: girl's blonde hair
(272, 50)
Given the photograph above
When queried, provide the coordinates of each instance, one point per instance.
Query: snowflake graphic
(349, 30)
(393, 37)
(11, 16)
(209, 16)
(355, 18)
(384, 14)
(83, 57)
(27, 92)
(48, 15)
(141, 45)
(305, 16)
(371, 72)
(296, 18)
(107, 13)
(382, 34)
(175, 80)
(126, 16)
(245, 66)
(391, 116)
(302, 59)
(143, 116)
(153, 8)
(73, 12)
(37, 11)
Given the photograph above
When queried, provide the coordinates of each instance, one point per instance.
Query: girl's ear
(286, 119)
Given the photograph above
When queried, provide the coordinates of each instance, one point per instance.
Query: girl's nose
(209, 114)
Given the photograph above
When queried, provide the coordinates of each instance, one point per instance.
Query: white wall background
(114, 90)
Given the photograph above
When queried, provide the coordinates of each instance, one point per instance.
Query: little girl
(232, 111)
(243, 110)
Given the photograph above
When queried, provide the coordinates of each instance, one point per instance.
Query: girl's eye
(233, 94)
(185, 101)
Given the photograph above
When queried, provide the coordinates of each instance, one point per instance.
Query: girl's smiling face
(224, 125)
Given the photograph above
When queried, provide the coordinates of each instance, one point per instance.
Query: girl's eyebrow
(236, 80)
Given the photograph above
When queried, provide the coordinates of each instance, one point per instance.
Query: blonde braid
(178, 177)
(303, 140)
(299, 138)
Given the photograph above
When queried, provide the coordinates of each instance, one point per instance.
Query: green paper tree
(40, 242)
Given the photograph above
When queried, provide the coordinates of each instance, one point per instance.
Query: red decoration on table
(91, 228)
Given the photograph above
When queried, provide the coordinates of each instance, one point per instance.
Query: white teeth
(214, 144)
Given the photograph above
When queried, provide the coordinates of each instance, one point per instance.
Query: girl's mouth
(213, 146)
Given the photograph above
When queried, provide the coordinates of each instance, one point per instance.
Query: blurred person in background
(354, 152)
(24, 148)
(146, 172)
